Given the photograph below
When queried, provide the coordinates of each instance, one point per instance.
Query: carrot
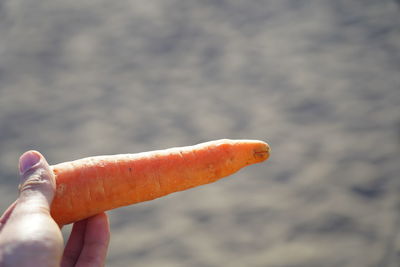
(88, 186)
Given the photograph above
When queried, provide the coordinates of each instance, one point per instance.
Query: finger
(7, 214)
(96, 240)
(30, 235)
(35, 176)
(75, 244)
(37, 183)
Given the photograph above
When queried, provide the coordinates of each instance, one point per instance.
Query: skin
(30, 237)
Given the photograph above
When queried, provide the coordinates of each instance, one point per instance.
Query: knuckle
(35, 179)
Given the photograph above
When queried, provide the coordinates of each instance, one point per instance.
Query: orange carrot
(91, 185)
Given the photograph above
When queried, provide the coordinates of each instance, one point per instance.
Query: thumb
(30, 237)
(37, 179)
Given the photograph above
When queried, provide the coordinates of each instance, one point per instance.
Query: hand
(30, 237)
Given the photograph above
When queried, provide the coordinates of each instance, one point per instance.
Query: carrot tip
(262, 152)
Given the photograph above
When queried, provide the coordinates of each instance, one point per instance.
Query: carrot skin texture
(88, 186)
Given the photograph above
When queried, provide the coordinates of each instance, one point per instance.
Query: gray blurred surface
(319, 80)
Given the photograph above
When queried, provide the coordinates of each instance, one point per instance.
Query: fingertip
(100, 217)
(29, 159)
(99, 221)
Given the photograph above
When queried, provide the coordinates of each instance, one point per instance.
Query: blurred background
(319, 80)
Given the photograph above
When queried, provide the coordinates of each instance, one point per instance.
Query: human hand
(30, 237)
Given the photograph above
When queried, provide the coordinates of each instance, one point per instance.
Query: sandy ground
(319, 80)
